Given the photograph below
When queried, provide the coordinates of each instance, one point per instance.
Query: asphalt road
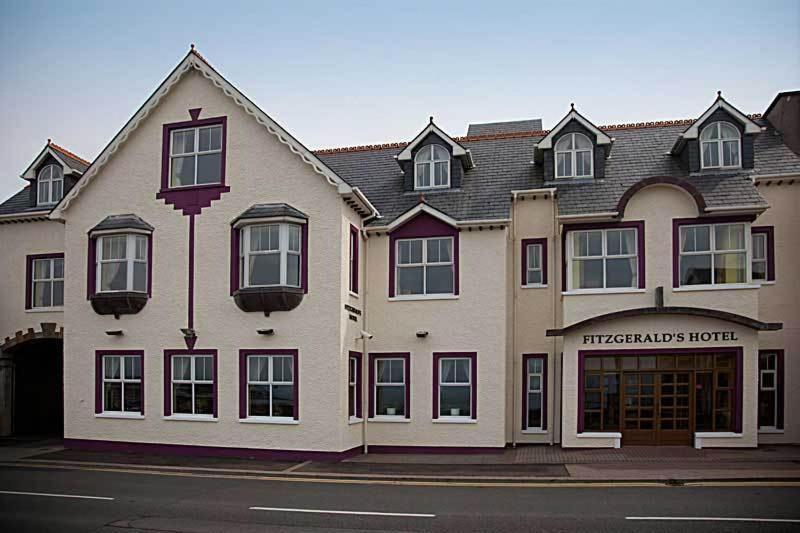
(186, 502)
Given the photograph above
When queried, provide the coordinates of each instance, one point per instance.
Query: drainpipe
(556, 282)
(514, 322)
(364, 357)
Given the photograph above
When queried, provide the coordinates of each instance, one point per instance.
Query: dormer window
(720, 146)
(574, 156)
(50, 185)
(432, 167)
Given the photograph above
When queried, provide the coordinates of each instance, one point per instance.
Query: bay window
(713, 254)
(192, 385)
(122, 263)
(605, 258)
(122, 384)
(271, 386)
(196, 156)
(425, 266)
(271, 255)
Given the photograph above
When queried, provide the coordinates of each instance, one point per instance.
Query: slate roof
(513, 126)
(20, 203)
(503, 163)
(74, 161)
(127, 221)
(271, 210)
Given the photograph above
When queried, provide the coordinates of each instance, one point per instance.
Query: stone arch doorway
(32, 383)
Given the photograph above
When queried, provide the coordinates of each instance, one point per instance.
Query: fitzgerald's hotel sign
(660, 337)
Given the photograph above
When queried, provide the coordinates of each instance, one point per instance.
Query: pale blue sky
(337, 74)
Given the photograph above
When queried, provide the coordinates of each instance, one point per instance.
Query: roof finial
(431, 119)
(49, 141)
(719, 94)
(572, 106)
(191, 47)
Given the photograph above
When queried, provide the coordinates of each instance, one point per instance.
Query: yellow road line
(512, 484)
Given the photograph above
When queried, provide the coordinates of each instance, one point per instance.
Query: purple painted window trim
(236, 239)
(389, 355)
(243, 353)
(779, 383)
(168, 355)
(473, 357)
(91, 264)
(29, 259)
(769, 231)
(192, 199)
(640, 245)
(355, 237)
(737, 351)
(525, 358)
(524, 264)
(423, 226)
(676, 226)
(359, 383)
(98, 375)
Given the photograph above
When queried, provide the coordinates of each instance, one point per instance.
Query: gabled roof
(547, 142)
(458, 149)
(193, 60)
(71, 162)
(512, 126)
(127, 221)
(692, 132)
(276, 210)
(418, 209)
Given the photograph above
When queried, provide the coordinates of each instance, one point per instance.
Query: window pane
(58, 293)
(293, 270)
(759, 246)
(535, 383)
(258, 368)
(534, 410)
(564, 143)
(587, 274)
(140, 277)
(258, 400)
(425, 153)
(534, 277)
(564, 164)
(384, 370)
(111, 367)
(42, 293)
(730, 153)
(439, 152)
(203, 368)
(711, 132)
(182, 368)
(695, 269)
(621, 272)
(204, 399)
(766, 409)
(582, 142)
(294, 237)
(283, 400)
(409, 280)
(410, 252)
(182, 398)
(282, 369)
(423, 175)
(455, 401)
(397, 367)
(462, 370)
(729, 237)
(583, 163)
(210, 139)
(710, 154)
(729, 268)
(439, 279)
(112, 396)
(209, 168)
(141, 247)
(390, 400)
(441, 173)
(727, 131)
(133, 397)
(57, 189)
(133, 368)
(535, 366)
(183, 142)
(41, 269)
(114, 247)
(44, 192)
(182, 171)
(534, 255)
(448, 371)
(113, 276)
(265, 269)
(433, 251)
(759, 270)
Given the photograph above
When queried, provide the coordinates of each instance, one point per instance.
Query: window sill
(534, 286)
(124, 416)
(454, 420)
(59, 309)
(191, 418)
(599, 435)
(760, 283)
(192, 187)
(770, 431)
(580, 292)
(538, 432)
(399, 419)
(277, 420)
(409, 298)
(718, 435)
(720, 287)
(354, 420)
(353, 294)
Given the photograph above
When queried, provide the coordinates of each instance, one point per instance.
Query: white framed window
(713, 254)
(352, 387)
(534, 272)
(50, 185)
(47, 283)
(193, 385)
(603, 259)
(455, 387)
(271, 255)
(534, 387)
(759, 260)
(122, 263)
(122, 384)
(768, 390)
(390, 386)
(720, 146)
(196, 156)
(574, 156)
(270, 386)
(424, 266)
(432, 167)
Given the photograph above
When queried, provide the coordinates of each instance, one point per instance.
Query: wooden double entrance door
(658, 408)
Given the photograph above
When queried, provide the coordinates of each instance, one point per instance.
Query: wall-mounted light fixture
(422, 334)
(269, 331)
(114, 332)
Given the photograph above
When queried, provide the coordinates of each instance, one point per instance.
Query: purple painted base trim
(455, 450)
(187, 450)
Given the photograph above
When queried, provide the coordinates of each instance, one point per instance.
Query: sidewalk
(537, 464)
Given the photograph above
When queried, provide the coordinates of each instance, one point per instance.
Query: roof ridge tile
(66, 152)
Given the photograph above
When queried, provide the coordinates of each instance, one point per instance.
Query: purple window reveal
(119, 382)
(534, 391)
(269, 384)
(455, 385)
(190, 383)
